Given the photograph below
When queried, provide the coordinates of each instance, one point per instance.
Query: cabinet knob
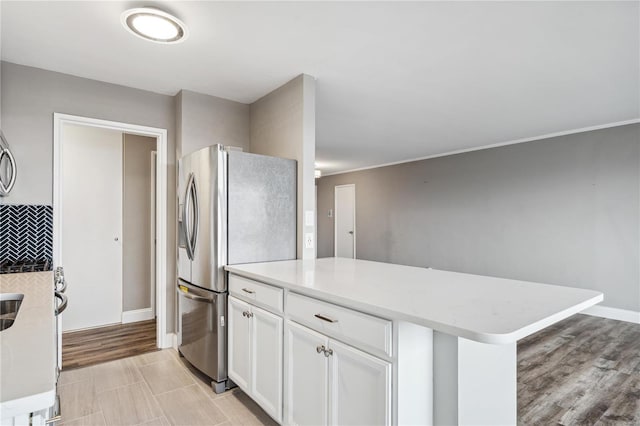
(328, 352)
(320, 349)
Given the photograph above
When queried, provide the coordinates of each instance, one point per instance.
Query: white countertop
(28, 348)
(480, 308)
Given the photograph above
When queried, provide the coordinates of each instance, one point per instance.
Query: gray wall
(137, 218)
(563, 210)
(30, 96)
(283, 125)
(204, 120)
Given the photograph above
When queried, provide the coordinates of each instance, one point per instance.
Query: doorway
(100, 263)
(345, 221)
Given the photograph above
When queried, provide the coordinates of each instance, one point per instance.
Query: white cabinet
(328, 382)
(266, 353)
(255, 354)
(256, 293)
(239, 341)
(307, 377)
(359, 387)
(364, 331)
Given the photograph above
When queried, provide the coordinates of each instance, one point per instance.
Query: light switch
(309, 218)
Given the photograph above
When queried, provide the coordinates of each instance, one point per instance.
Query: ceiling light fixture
(154, 25)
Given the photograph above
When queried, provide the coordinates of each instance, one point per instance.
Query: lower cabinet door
(359, 387)
(239, 340)
(306, 376)
(266, 380)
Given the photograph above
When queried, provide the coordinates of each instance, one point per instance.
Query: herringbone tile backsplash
(26, 232)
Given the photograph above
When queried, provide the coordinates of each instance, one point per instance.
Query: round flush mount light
(154, 25)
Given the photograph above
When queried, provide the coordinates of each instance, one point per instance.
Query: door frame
(163, 340)
(153, 226)
(335, 221)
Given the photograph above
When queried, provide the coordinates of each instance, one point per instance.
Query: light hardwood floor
(157, 388)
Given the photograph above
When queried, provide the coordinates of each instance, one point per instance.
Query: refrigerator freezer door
(262, 208)
(202, 329)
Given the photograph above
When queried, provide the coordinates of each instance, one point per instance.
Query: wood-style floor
(581, 371)
(97, 345)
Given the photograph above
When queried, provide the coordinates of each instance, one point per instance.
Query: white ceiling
(395, 80)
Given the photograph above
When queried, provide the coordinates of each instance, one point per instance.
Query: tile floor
(156, 388)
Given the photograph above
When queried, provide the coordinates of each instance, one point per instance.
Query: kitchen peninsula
(395, 344)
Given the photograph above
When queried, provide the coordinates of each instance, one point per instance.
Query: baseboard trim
(137, 315)
(613, 313)
(168, 341)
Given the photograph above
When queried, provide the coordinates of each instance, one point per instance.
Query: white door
(91, 198)
(239, 340)
(359, 387)
(266, 353)
(306, 378)
(345, 221)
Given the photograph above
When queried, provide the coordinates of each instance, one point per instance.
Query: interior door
(360, 387)
(306, 378)
(345, 221)
(266, 354)
(91, 225)
(239, 343)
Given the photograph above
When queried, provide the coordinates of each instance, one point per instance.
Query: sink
(9, 307)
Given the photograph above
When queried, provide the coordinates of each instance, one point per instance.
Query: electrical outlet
(308, 240)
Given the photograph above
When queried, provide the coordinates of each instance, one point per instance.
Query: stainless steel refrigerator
(234, 207)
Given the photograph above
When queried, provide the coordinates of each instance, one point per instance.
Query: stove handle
(59, 280)
(62, 306)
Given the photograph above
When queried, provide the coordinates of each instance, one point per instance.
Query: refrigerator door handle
(196, 216)
(186, 213)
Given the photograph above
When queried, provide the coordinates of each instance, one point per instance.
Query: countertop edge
(489, 338)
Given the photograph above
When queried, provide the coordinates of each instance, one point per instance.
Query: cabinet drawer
(353, 327)
(256, 292)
